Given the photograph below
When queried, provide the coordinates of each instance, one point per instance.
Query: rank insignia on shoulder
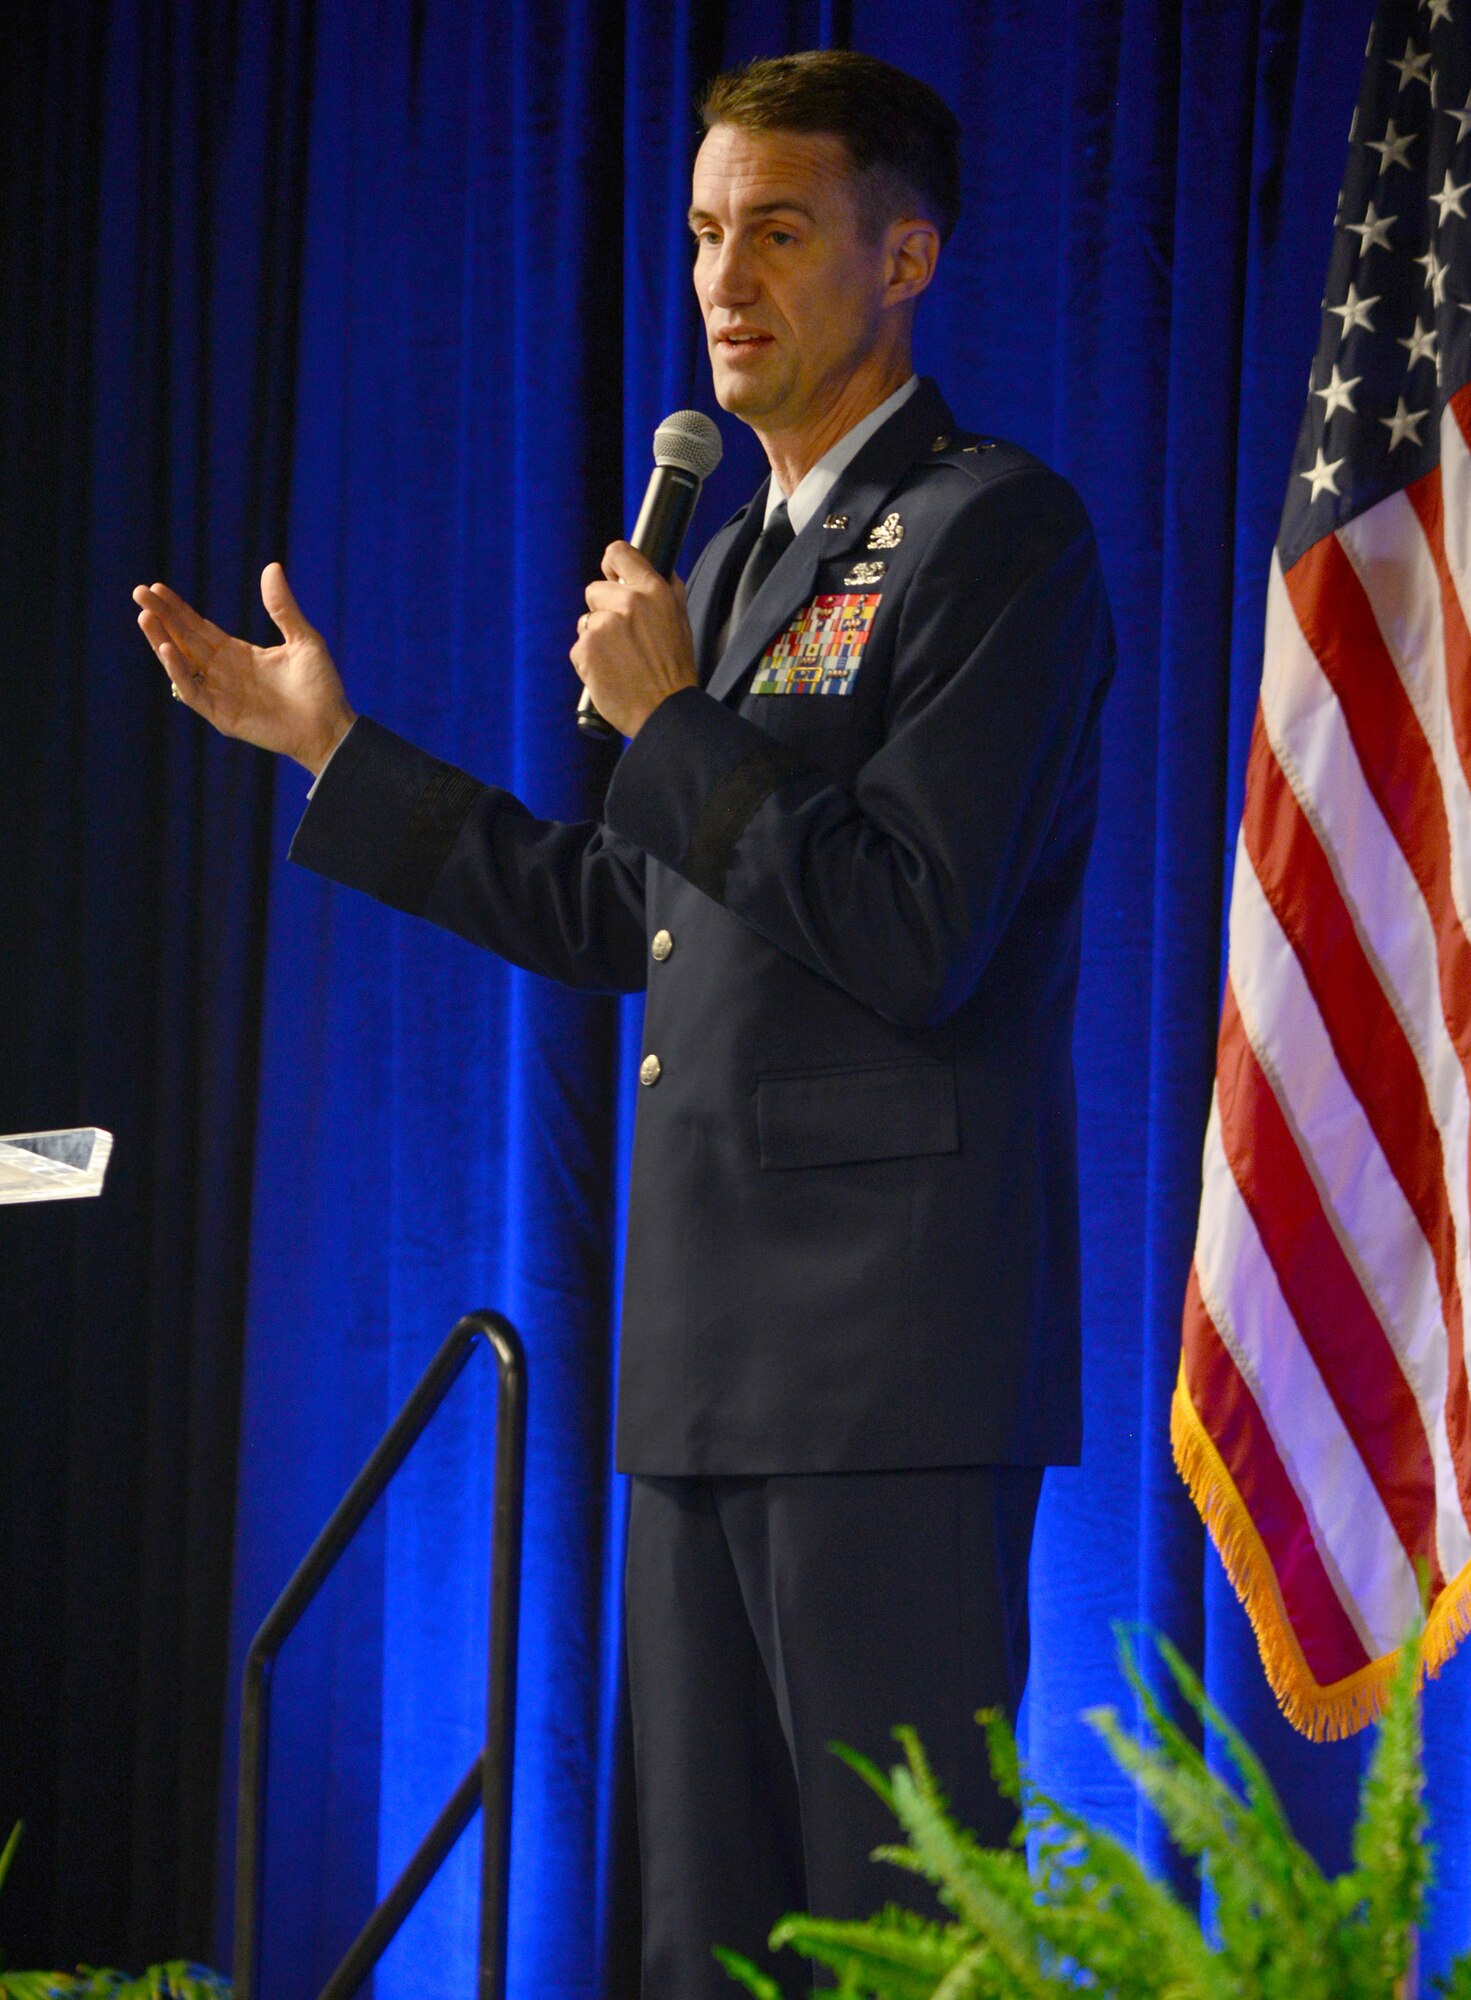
(888, 534)
(865, 572)
(821, 651)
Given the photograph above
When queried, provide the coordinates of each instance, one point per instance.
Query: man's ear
(913, 251)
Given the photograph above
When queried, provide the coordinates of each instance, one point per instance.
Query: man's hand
(288, 697)
(634, 644)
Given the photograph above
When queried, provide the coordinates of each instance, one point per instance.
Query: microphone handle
(658, 533)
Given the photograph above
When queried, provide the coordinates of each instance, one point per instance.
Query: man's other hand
(634, 644)
(288, 698)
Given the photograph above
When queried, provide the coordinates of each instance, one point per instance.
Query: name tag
(822, 649)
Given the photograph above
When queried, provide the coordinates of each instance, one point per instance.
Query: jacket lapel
(859, 494)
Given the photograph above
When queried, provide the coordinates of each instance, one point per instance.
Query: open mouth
(742, 343)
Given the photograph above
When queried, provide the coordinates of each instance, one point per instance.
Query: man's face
(792, 294)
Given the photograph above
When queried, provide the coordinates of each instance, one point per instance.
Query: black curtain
(151, 180)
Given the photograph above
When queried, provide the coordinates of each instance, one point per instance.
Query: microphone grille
(688, 439)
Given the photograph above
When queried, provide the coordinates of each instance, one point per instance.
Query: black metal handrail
(487, 1783)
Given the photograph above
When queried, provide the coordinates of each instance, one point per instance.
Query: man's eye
(780, 236)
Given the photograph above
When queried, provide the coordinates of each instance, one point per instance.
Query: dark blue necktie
(769, 547)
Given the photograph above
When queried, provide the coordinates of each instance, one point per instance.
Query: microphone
(687, 450)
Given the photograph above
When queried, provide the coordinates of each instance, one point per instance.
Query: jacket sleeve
(898, 887)
(566, 900)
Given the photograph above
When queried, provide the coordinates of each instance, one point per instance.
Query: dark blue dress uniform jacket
(853, 1220)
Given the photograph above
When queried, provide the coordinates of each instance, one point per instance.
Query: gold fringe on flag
(1322, 1713)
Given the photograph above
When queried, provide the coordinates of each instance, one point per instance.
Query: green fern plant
(1085, 1913)
(178, 1980)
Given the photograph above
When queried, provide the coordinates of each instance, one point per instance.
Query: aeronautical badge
(865, 572)
(821, 650)
(888, 534)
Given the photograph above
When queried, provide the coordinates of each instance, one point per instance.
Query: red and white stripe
(1324, 1339)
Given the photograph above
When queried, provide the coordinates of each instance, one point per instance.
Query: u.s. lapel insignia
(865, 573)
(888, 534)
(836, 522)
(821, 651)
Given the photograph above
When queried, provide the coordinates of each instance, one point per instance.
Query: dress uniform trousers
(769, 1617)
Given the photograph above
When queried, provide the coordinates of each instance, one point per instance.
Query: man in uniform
(844, 853)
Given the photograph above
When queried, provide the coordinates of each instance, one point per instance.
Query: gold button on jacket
(650, 1070)
(662, 945)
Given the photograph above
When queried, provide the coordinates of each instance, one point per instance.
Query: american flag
(1321, 1416)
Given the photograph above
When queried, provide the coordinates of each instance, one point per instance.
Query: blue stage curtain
(496, 312)
(397, 289)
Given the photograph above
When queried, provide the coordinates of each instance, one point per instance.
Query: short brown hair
(902, 137)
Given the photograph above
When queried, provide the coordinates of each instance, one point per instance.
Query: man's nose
(730, 278)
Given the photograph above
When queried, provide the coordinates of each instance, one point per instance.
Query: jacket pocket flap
(878, 1111)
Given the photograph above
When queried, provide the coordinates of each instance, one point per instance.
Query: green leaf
(1384, 1899)
(1455, 1981)
(1098, 1906)
(989, 1890)
(1260, 1794)
(1275, 1912)
(178, 1980)
(7, 1852)
(870, 1773)
(745, 1974)
(974, 1978)
(893, 1955)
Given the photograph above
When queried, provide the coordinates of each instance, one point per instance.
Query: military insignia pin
(865, 572)
(836, 521)
(821, 651)
(888, 534)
